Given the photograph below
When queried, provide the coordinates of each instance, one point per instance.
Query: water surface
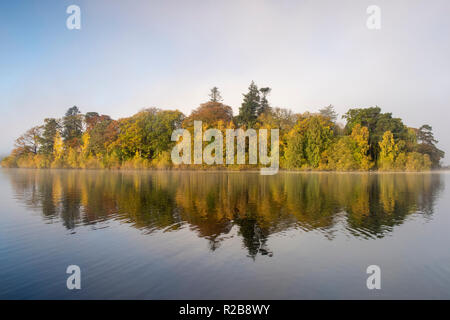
(218, 235)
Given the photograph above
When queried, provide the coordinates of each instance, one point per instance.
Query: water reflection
(212, 204)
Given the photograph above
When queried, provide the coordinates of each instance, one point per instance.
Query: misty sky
(168, 54)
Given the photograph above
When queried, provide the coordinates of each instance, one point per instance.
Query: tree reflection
(212, 203)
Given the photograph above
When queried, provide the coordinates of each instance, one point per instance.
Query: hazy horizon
(129, 56)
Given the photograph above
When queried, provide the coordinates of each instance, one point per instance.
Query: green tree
(427, 145)
(309, 138)
(329, 112)
(72, 127)
(425, 135)
(148, 133)
(50, 128)
(215, 95)
(377, 123)
(250, 105)
(264, 104)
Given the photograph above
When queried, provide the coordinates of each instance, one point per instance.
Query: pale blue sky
(134, 54)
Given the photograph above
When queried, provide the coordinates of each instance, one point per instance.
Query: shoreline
(215, 170)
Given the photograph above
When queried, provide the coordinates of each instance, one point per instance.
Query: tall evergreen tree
(427, 145)
(215, 95)
(425, 135)
(328, 112)
(51, 127)
(250, 105)
(72, 126)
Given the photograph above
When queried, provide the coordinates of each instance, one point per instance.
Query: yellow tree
(388, 151)
(58, 151)
(360, 136)
(307, 140)
(58, 146)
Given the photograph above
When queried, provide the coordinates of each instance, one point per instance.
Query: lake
(223, 235)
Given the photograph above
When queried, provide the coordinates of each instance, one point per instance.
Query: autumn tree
(148, 133)
(349, 152)
(377, 123)
(58, 150)
(210, 113)
(102, 131)
(360, 137)
(416, 161)
(340, 156)
(30, 141)
(388, 152)
(91, 119)
(309, 138)
(306, 141)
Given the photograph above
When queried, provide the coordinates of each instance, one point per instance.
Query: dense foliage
(369, 140)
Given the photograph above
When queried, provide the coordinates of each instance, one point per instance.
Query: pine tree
(329, 112)
(51, 127)
(427, 145)
(215, 95)
(250, 105)
(425, 135)
(72, 126)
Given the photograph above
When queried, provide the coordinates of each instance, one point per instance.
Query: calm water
(209, 235)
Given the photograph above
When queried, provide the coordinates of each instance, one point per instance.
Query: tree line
(369, 140)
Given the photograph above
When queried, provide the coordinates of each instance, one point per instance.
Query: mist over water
(206, 235)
